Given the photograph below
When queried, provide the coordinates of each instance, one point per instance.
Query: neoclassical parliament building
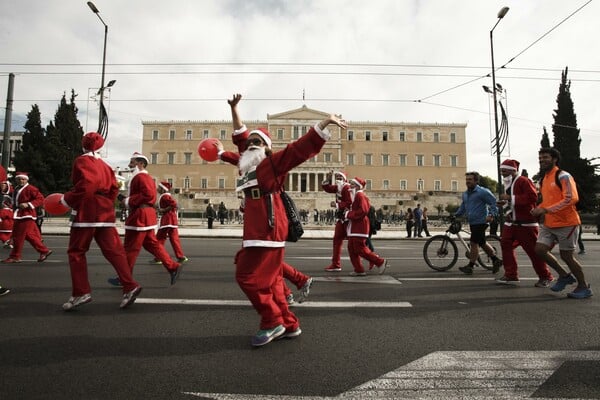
(403, 163)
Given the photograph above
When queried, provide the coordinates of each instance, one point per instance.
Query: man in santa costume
(337, 183)
(6, 222)
(357, 230)
(92, 201)
(26, 198)
(142, 221)
(260, 262)
(169, 226)
(520, 227)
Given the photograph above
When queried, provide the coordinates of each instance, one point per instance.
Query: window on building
(170, 180)
(384, 136)
(223, 134)
(402, 137)
(350, 135)
(221, 183)
(153, 158)
(296, 132)
(402, 160)
(453, 161)
(385, 160)
(368, 136)
(452, 137)
(419, 136)
(280, 134)
(420, 185)
(205, 134)
(172, 134)
(204, 183)
(187, 182)
(304, 130)
(154, 135)
(403, 184)
(436, 137)
(188, 158)
(437, 185)
(350, 159)
(437, 160)
(386, 184)
(420, 160)
(327, 157)
(368, 159)
(188, 134)
(369, 184)
(454, 186)
(171, 158)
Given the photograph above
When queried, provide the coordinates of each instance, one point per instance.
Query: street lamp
(501, 15)
(102, 117)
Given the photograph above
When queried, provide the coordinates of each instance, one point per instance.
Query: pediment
(298, 114)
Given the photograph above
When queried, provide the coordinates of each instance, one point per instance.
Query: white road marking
(452, 374)
(343, 277)
(306, 304)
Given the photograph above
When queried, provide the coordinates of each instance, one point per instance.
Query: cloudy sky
(383, 60)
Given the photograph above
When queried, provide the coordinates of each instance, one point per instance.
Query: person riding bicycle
(479, 206)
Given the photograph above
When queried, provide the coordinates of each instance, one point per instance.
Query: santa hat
(511, 165)
(22, 175)
(342, 174)
(165, 185)
(92, 141)
(140, 155)
(264, 134)
(360, 182)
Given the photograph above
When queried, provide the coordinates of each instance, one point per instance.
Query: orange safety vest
(559, 204)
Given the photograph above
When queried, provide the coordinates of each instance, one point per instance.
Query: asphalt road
(412, 333)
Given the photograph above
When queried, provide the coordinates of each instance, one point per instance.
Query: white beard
(507, 180)
(251, 158)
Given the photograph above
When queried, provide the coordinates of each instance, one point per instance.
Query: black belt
(254, 193)
(144, 206)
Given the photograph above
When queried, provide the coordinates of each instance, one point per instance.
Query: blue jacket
(477, 204)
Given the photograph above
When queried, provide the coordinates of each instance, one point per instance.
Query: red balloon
(207, 149)
(53, 206)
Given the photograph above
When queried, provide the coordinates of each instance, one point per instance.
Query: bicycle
(441, 252)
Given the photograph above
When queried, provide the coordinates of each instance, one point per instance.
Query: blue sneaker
(562, 282)
(264, 336)
(115, 281)
(581, 293)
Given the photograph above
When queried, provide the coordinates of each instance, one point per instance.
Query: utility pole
(8, 122)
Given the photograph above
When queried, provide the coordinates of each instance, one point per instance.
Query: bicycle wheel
(440, 252)
(484, 260)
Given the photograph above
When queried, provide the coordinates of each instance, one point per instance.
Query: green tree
(568, 142)
(545, 142)
(489, 183)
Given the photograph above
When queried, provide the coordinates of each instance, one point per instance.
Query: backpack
(556, 179)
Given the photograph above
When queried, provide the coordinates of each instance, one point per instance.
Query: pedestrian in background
(410, 221)
(418, 219)
(424, 221)
(210, 215)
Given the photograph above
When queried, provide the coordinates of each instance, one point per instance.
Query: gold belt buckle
(255, 193)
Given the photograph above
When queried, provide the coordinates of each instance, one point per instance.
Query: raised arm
(237, 121)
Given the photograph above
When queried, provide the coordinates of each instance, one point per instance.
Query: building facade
(402, 163)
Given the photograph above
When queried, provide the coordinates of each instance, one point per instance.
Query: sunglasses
(254, 142)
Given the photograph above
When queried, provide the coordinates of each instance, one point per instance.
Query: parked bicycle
(441, 252)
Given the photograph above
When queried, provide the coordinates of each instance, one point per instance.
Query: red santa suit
(520, 227)
(92, 200)
(259, 264)
(26, 199)
(169, 226)
(358, 230)
(6, 224)
(142, 221)
(343, 200)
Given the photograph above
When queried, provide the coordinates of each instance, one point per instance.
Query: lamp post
(501, 15)
(102, 117)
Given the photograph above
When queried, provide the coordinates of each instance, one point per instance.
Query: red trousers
(339, 234)
(524, 236)
(112, 249)
(259, 273)
(135, 240)
(173, 235)
(357, 249)
(26, 229)
(293, 275)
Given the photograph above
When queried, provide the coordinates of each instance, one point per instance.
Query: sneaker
(77, 301)
(11, 260)
(45, 255)
(8, 245)
(289, 299)
(467, 269)
(581, 252)
(264, 336)
(154, 261)
(581, 293)
(354, 273)
(305, 290)
(129, 297)
(183, 259)
(544, 283)
(175, 273)
(496, 264)
(115, 281)
(383, 267)
(562, 282)
(4, 291)
(291, 334)
(333, 268)
(507, 281)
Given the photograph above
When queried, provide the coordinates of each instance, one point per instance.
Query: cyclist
(479, 205)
